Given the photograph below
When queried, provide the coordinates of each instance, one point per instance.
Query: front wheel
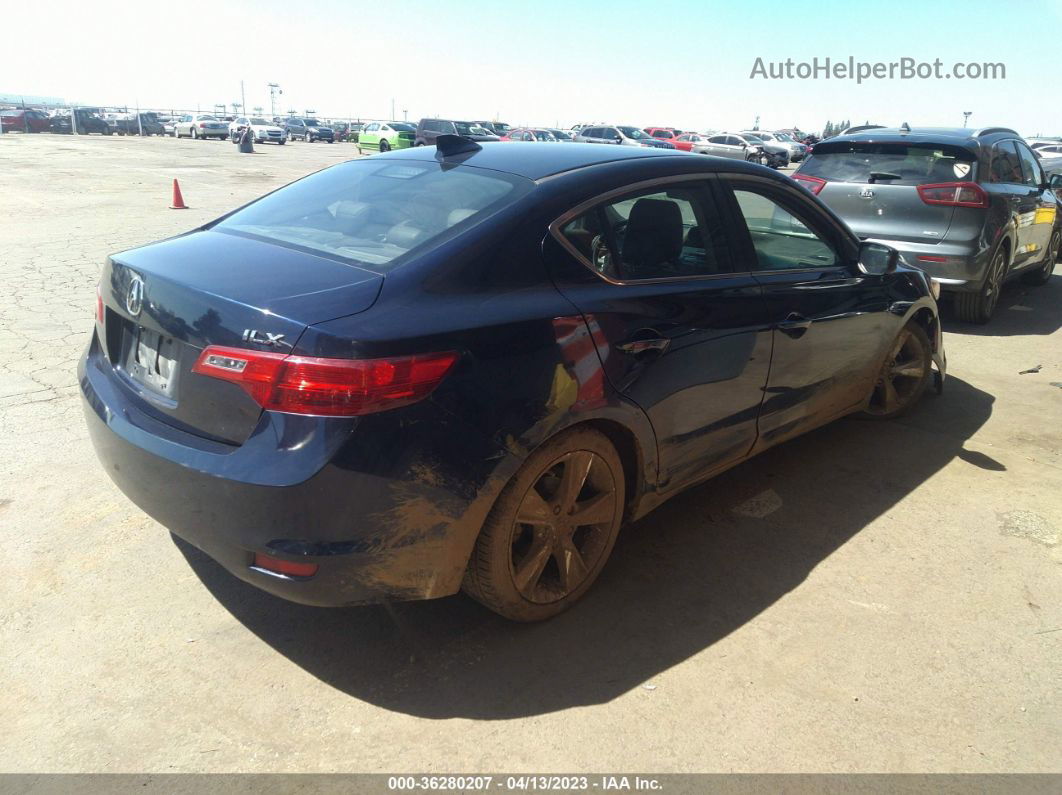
(552, 529)
(904, 376)
(1042, 275)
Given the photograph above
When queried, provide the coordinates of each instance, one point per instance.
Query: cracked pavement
(872, 597)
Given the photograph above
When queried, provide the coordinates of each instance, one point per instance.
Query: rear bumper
(387, 507)
(954, 265)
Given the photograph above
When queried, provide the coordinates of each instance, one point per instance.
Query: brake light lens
(954, 194)
(202, 125)
(99, 305)
(326, 387)
(813, 184)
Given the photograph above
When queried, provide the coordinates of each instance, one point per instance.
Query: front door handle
(795, 325)
(658, 344)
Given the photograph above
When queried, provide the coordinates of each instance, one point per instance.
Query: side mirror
(877, 259)
(1055, 182)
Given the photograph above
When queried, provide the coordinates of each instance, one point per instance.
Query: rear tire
(978, 307)
(384, 146)
(533, 559)
(195, 134)
(904, 375)
(1042, 275)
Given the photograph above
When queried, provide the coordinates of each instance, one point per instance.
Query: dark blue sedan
(466, 367)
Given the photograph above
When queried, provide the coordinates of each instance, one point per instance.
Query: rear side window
(1030, 166)
(661, 234)
(375, 212)
(1006, 165)
(912, 164)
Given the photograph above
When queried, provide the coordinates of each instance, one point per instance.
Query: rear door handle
(642, 346)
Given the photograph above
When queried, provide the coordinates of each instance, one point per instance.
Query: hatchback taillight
(954, 194)
(327, 387)
(813, 184)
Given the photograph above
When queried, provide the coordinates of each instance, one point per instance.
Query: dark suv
(308, 129)
(972, 208)
(430, 129)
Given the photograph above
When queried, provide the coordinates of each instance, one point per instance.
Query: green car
(383, 136)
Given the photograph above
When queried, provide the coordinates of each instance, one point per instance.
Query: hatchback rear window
(913, 164)
(373, 213)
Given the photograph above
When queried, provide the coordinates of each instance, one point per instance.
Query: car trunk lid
(873, 186)
(165, 302)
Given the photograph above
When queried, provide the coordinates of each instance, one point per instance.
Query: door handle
(642, 346)
(795, 325)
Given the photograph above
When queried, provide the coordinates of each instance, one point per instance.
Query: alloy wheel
(903, 375)
(562, 527)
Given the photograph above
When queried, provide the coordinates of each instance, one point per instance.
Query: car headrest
(457, 216)
(653, 235)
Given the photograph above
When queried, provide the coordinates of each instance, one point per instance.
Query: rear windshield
(913, 164)
(375, 212)
(403, 127)
(464, 128)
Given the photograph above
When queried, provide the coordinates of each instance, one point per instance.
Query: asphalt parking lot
(871, 597)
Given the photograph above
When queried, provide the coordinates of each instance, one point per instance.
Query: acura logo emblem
(134, 299)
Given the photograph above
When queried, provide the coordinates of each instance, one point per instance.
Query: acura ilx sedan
(467, 366)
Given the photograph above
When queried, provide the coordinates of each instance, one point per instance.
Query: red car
(19, 120)
(663, 133)
(690, 142)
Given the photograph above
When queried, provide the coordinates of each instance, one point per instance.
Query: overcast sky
(646, 62)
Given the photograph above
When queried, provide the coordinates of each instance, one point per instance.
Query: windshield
(751, 137)
(560, 135)
(311, 122)
(375, 212)
(914, 164)
(465, 128)
(632, 132)
(403, 127)
(543, 135)
(205, 117)
(785, 137)
(260, 121)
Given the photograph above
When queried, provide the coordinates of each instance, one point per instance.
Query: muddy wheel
(1042, 275)
(904, 376)
(552, 529)
(979, 307)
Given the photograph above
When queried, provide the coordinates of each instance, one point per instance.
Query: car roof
(535, 162)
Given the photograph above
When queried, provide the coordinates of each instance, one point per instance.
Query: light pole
(274, 89)
(966, 114)
(392, 107)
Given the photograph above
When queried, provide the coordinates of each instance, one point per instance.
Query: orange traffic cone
(178, 200)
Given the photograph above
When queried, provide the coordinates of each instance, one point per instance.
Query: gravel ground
(871, 597)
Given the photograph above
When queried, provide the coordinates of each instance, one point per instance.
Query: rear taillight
(813, 184)
(326, 387)
(202, 125)
(954, 194)
(99, 305)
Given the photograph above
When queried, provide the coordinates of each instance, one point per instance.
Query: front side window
(375, 212)
(780, 239)
(671, 233)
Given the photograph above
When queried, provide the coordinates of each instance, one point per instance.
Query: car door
(679, 331)
(1036, 226)
(830, 322)
(1008, 180)
(717, 146)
